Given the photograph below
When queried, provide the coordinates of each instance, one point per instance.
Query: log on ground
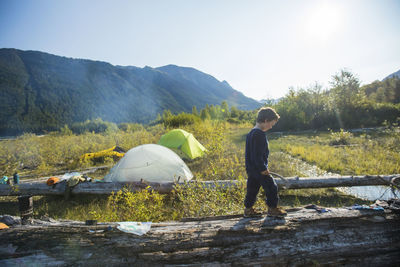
(108, 188)
(304, 237)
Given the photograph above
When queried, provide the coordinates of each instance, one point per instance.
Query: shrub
(96, 126)
(233, 120)
(130, 127)
(181, 119)
(143, 206)
(340, 138)
(195, 200)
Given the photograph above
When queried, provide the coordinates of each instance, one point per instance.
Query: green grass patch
(375, 153)
(366, 154)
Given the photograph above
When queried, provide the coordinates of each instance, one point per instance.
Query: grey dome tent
(152, 163)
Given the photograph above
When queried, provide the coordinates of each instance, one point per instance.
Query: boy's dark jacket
(257, 151)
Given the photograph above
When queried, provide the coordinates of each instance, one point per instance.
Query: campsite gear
(115, 153)
(250, 212)
(4, 180)
(279, 212)
(315, 207)
(16, 178)
(71, 180)
(365, 207)
(137, 228)
(394, 205)
(52, 181)
(26, 208)
(152, 163)
(183, 143)
(87, 178)
(68, 175)
(3, 226)
(74, 180)
(9, 220)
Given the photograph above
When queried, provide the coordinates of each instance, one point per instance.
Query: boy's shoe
(279, 212)
(250, 212)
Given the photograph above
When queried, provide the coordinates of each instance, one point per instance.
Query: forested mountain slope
(40, 91)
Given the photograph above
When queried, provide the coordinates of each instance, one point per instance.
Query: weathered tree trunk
(107, 188)
(304, 237)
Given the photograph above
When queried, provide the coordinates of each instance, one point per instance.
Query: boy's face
(270, 124)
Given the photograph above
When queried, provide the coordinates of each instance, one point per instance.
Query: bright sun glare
(323, 21)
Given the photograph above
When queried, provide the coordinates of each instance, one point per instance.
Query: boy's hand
(266, 172)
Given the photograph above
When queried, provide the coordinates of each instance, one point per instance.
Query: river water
(365, 192)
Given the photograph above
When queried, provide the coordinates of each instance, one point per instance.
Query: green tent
(183, 143)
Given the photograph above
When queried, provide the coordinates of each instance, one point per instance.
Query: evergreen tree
(204, 114)
(194, 111)
(225, 109)
(234, 112)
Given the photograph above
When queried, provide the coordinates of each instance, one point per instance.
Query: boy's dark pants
(254, 182)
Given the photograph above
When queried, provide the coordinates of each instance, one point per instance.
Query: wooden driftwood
(107, 188)
(305, 237)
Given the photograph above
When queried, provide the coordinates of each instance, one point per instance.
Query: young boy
(257, 153)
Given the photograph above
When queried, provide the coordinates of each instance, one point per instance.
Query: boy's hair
(267, 114)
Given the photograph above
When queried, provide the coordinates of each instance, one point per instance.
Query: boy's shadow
(263, 222)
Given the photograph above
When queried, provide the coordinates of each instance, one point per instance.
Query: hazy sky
(260, 47)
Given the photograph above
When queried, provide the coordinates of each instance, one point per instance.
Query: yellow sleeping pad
(115, 153)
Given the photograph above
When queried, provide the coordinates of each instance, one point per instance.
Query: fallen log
(305, 237)
(107, 188)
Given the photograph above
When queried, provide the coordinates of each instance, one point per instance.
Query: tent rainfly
(183, 143)
(152, 163)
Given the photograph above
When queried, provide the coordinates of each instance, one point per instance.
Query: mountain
(42, 91)
(393, 75)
